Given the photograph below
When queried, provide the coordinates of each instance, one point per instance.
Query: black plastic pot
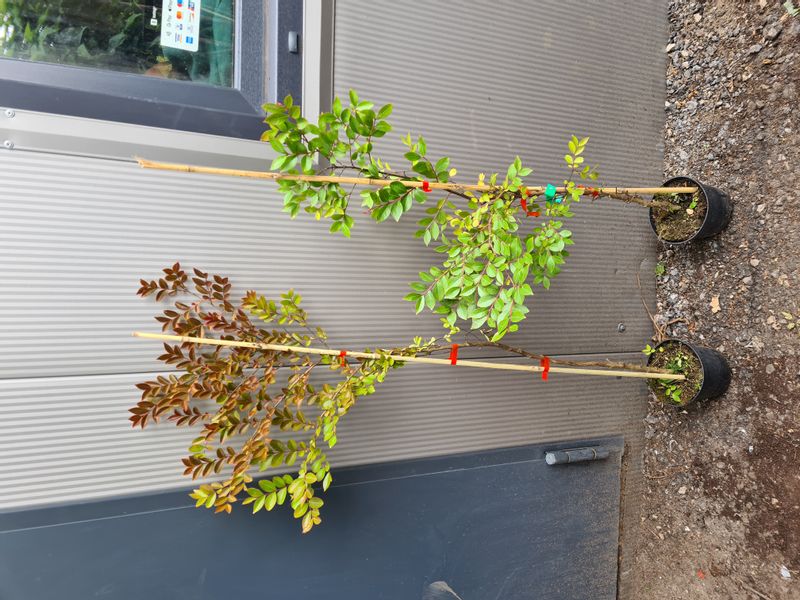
(715, 370)
(718, 211)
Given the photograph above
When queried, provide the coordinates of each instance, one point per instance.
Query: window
(176, 39)
(194, 65)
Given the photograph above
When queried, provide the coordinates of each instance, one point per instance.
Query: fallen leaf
(715, 304)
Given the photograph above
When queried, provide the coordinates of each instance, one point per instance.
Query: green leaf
(385, 111)
(281, 495)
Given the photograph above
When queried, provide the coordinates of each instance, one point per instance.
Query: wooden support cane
(412, 359)
(456, 187)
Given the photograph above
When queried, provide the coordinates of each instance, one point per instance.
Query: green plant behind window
(116, 35)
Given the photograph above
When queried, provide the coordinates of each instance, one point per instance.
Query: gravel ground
(721, 516)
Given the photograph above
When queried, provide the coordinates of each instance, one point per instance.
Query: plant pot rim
(702, 190)
(685, 344)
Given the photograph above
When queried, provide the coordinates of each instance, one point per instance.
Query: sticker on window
(180, 24)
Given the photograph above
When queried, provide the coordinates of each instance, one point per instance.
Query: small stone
(770, 369)
(747, 280)
(773, 31)
(754, 49)
(670, 47)
(697, 17)
(785, 573)
(682, 490)
(760, 208)
(720, 464)
(691, 105)
(754, 262)
(789, 91)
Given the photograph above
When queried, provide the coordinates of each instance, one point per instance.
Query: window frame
(170, 104)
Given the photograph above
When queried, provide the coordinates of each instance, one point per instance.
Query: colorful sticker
(180, 24)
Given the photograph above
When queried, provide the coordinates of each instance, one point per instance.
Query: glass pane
(176, 39)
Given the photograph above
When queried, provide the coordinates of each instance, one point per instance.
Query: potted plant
(707, 374)
(702, 214)
(254, 359)
(498, 237)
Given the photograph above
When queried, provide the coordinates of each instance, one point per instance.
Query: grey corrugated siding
(483, 81)
(64, 439)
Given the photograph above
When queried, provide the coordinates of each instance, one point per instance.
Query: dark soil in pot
(677, 357)
(680, 225)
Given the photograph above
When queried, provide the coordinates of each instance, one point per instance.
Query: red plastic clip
(592, 191)
(454, 354)
(342, 354)
(524, 202)
(545, 362)
(426, 187)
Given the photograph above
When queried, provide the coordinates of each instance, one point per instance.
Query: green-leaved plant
(494, 243)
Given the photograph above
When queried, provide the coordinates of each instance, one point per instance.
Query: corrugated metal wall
(483, 81)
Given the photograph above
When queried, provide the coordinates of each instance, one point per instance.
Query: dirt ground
(721, 516)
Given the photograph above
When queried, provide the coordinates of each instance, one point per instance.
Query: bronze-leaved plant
(246, 400)
(258, 407)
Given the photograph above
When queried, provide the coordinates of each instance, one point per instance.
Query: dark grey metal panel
(128, 98)
(499, 524)
(285, 67)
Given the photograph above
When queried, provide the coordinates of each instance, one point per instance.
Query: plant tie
(454, 354)
(426, 186)
(342, 354)
(524, 202)
(545, 363)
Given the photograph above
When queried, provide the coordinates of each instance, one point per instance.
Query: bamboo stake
(416, 359)
(458, 187)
